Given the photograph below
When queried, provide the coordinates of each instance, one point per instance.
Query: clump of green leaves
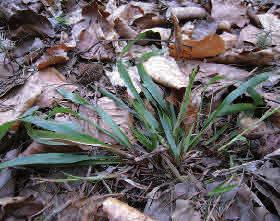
(160, 125)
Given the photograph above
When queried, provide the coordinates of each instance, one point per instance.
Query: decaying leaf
(39, 89)
(210, 46)
(19, 207)
(28, 23)
(165, 71)
(203, 28)
(119, 211)
(92, 32)
(233, 12)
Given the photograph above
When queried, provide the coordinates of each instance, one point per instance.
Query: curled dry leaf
(124, 30)
(210, 46)
(190, 12)
(55, 55)
(165, 71)
(230, 11)
(119, 211)
(28, 23)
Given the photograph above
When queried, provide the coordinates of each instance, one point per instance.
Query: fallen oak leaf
(119, 211)
(210, 46)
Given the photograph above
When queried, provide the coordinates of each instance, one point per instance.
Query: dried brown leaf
(210, 46)
(119, 211)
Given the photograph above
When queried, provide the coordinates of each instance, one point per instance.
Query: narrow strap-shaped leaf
(60, 159)
(151, 86)
(229, 99)
(168, 133)
(138, 38)
(60, 127)
(110, 122)
(236, 108)
(113, 97)
(146, 116)
(128, 82)
(79, 138)
(256, 96)
(105, 117)
(4, 128)
(143, 139)
(75, 98)
(186, 100)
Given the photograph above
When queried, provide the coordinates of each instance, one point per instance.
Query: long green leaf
(115, 128)
(60, 127)
(151, 86)
(127, 80)
(49, 136)
(105, 117)
(186, 101)
(236, 108)
(4, 128)
(251, 83)
(77, 99)
(138, 38)
(165, 122)
(59, 159)
(221, 189)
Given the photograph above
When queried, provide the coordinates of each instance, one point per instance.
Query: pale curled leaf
(119, 211)
(164, 70)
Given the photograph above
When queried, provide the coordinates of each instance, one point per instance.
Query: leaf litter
(174, 115)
